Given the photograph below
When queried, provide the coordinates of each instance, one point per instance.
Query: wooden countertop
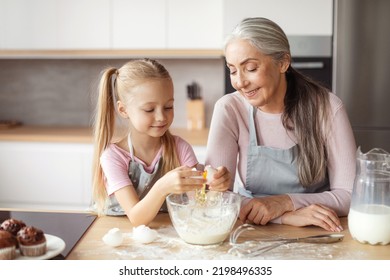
(169, 245)
(82, 134)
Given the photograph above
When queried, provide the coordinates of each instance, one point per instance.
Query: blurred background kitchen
(52, 51)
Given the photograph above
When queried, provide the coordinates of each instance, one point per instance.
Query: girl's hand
(180, 180)
(221, 180)
(315, 214)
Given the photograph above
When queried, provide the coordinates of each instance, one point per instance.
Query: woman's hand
(180, 180)
(261, 210)
(314, 214)
(221, 180)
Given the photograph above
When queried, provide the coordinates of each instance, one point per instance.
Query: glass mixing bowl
(203, 222)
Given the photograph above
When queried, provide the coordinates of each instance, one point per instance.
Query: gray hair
(263, 34)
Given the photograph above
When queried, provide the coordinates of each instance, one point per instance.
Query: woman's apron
(272, 171)
(142, 181)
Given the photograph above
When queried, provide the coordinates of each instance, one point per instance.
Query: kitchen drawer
(41, 175)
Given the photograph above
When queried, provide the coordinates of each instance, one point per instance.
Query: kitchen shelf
(26, 133)
(47, 134)
(115, 54)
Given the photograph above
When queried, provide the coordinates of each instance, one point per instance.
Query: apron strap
(252, 127)
(130, 147)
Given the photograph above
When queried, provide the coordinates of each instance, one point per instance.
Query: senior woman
(285, 139)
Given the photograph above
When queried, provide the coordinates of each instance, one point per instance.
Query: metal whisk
(275, 242)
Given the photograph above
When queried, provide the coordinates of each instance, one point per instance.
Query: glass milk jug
(369, 214)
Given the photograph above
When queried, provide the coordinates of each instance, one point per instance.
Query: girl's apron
(273, 171)
(142, 181)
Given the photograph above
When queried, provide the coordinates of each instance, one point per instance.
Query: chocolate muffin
(12, 226)
(7, 245)
(32, 241)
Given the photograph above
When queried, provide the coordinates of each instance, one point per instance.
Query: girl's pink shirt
(229, 138)
(115, 163)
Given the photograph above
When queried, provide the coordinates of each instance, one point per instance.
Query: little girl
(139, 171)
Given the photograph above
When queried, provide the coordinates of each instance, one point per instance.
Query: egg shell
(144, 234)
(210, 173)
(113, 237)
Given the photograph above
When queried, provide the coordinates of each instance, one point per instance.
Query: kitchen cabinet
(67, 27)
(27, 24)
(171, 24)
(195, 24)
(45, 175)
(298, 17)
(128, 28)
(83, 24)
(55, 24)
(135, 25)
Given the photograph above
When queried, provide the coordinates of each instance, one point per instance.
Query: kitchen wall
(59, 91)
(62, 92)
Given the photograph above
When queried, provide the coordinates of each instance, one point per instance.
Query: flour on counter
(169, 246)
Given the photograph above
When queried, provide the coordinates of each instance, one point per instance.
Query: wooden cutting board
(7, 124)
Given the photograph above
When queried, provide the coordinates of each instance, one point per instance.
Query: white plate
(55, 246)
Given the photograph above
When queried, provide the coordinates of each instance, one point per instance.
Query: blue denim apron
(272, 171)
(142, 181)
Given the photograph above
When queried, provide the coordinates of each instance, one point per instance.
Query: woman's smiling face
(259, 78)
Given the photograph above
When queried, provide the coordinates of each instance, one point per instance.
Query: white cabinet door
(167, 24)
(298, 17)
(28, 24)
(83, 24)
(55, 24)
(41, 175)
(138, 24)
(195, 24)
(111, 24)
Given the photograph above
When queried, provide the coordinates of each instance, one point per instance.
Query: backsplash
(62, 92)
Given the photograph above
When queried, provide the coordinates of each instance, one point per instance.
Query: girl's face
(150, 107)
(256, 76)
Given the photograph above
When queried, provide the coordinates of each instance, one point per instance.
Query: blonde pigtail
(171, 160)
(103, 132)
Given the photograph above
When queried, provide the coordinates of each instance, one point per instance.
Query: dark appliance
(361, 63)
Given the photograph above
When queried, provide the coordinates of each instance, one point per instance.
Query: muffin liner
(33, 250)
(8, 253)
